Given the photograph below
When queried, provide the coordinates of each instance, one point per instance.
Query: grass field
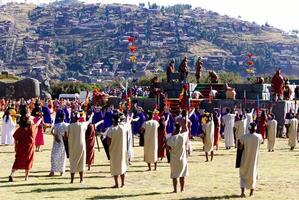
(278, 177)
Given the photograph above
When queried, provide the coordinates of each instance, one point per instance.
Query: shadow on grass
(30, 184)
(85, 177)
(211, 198)
(125, 196)
(37, 172)
(102, 165)
(65, 189)
(164, 164)
(138, 171)
(7, 152)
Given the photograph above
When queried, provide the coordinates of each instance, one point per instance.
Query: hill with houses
(89, 42)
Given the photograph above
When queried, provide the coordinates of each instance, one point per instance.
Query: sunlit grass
(278, 177)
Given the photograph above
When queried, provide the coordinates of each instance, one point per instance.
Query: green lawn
(278, 177)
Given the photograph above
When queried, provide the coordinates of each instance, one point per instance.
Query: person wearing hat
(199, 69)
(250, 144)
(117, 141)
(170, 70)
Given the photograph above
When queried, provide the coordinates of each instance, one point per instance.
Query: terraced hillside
(86, 40)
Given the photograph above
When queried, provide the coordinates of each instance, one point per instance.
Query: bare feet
(123, 185)
(174, 191)
(115, 186)
(243, 195)
(51, 174)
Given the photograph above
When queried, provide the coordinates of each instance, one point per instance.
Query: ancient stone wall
(26, 88)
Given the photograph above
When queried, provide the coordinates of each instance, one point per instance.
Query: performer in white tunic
(208, 130)
(150, 131)
(249, 119)
(229, 121)
(117, 141)
(58, 155)
(293, 132)
(271, 132)
(130, 140)
(8, 129)
(77, 146)
(240, 128)
(250, 143)
(178, 157)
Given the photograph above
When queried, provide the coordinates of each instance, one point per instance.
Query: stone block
(27, 88)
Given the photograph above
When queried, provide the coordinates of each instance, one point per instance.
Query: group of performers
(75, 126)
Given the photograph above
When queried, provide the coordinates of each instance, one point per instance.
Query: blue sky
(279, 13)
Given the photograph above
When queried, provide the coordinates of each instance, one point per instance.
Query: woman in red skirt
(162, 137)
(262, 124)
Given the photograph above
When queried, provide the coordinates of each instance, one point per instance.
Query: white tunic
(208, 129)
(293, 132)
(271, 133)
(249, 119)
(229, 122)
(249, 162)
(8, 129)
(178, 155)
(77, 146)
(130, 149)
(240, 127)
(151, 141)
(118, 149)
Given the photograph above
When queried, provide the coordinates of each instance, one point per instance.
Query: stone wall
(26, 88)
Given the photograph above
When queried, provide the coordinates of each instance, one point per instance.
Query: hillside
(89, 41)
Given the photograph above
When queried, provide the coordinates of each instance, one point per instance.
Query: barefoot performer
(178, 157)
(77, 146)
(150, 131)
(209, 137)
(117, 141)
(24, 144)
(58, 154)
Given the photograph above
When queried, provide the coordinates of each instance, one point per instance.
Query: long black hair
(23, 120)
(6, 115)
